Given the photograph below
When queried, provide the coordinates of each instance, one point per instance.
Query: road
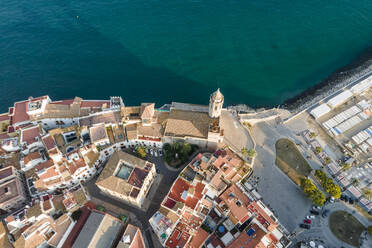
(235, 135)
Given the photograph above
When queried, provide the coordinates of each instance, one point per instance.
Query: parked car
(351, 201)
(151, 152)
(332, 200)
(325, 213)
(314, 212)
(315, 207)
(160, 153)
(346, 198)
(305, 226)
(342, 197)
(306, 221)
(310, 217)
(155, 153)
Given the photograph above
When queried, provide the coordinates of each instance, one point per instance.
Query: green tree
(141, 151)
(251, 153)
(318, 197)
(312, 135)
(318, 149)
(355, 181)
(76, 215)
(244, 151)
(328, 160)
(367, 193)
(345, 166)
(186, 149)
(370, 230)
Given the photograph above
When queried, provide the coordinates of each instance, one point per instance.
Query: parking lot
(320, 232)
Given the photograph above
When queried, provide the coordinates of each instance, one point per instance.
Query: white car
(152, 152)
(160, 153)
(155, 153)
(309, 217)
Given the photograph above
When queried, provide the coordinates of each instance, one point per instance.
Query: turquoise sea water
(258, 52)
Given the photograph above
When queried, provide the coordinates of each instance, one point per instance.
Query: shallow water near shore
(258, 52)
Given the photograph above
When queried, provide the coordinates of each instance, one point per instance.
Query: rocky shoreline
(337, 80)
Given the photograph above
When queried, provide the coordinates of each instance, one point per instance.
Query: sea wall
(337, 80)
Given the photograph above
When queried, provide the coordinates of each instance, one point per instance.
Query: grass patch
(290, 160)
(346, 227)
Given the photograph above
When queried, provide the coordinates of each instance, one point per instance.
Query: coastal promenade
(329, 95)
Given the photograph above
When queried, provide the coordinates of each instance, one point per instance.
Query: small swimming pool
(124, 171)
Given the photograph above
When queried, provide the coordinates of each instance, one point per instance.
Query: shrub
(141, 152)
(76, 215)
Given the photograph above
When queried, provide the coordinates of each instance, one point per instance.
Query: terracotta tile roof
(21, 108)
(187, 123)
(44, 165)
(4, 117)
(131, 131)
(49, 172)
(155, 130)
(47, 205)
(216, 242)
(177, 239)
(231, 197)
(262, 216)
(147, 110)
(137, 177)
(135, 235)
(95, 104)
(20, 112)
(31, 156)
(49, 142)
(198, 240)
(246, 241)
(181, 187)
(6, 172)
(76, 164)
(104, 117)
(30, 135)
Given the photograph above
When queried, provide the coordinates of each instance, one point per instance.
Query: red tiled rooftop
(215, 241)
(31, 156)
(180, 186)
(20, 112)
(76, 164)
(169, 203)
(49, 142)
(94, 104)
(47, 205)
(198, 240)
(4, 173)
(137, 177)
(177, 239)
(4, 117)
(29, 135)
(246, 241)
(44, 165)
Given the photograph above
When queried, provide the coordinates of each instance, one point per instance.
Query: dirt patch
(290, 160)
(346, 227)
